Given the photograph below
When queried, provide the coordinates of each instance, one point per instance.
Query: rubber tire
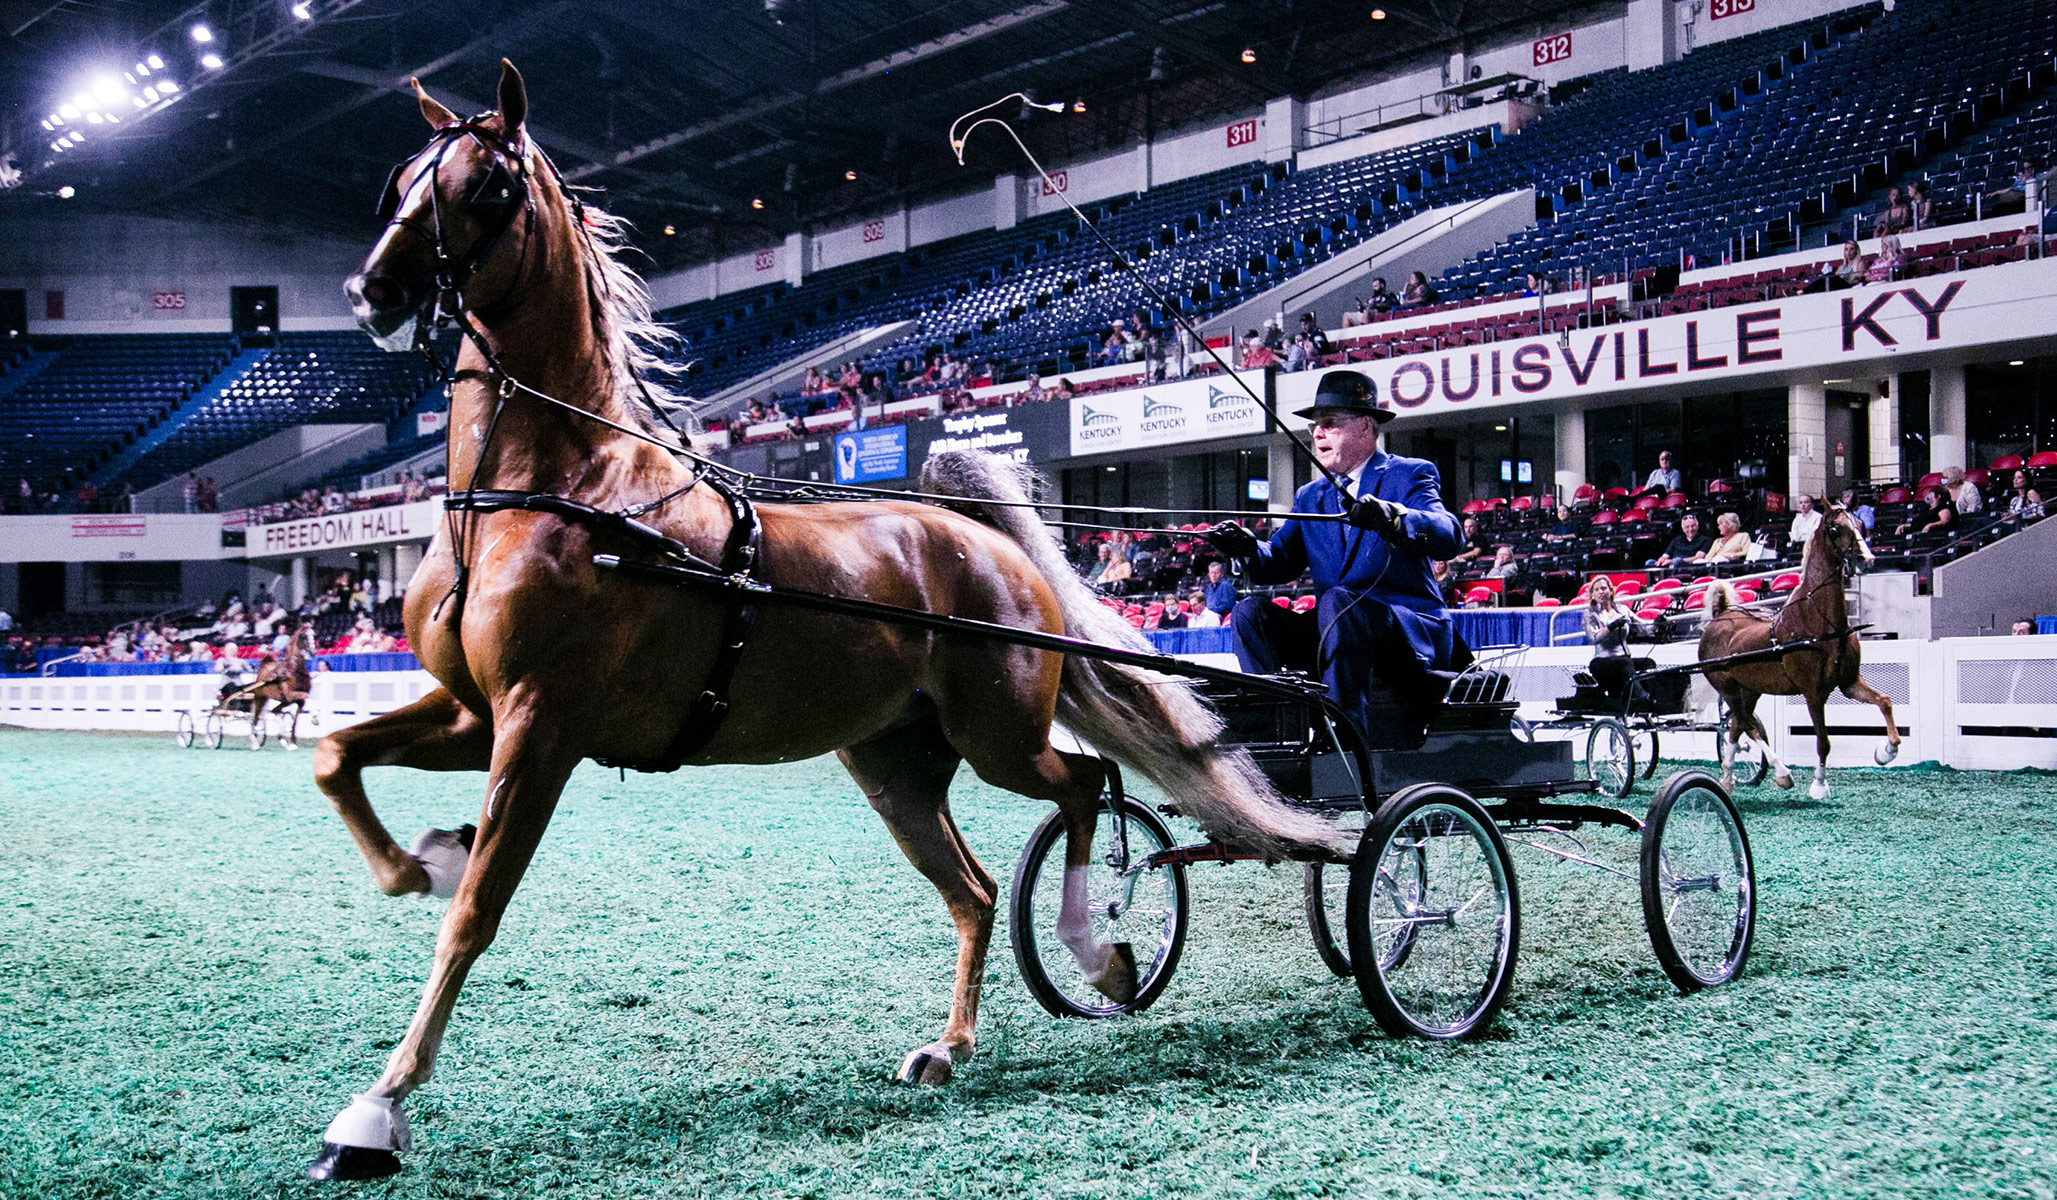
(1021, 931)
(1333, 951)
(1628, 776)
(1391, 815)
(217, 730)
(1661, 944)
(1650, 756)
(185, 735)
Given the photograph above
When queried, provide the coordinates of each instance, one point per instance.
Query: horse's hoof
(352, 1162)
(1818, 789)
(928, 1067)
(1784, 780)
(443, 855)
(1117, 980)
(1886, 752)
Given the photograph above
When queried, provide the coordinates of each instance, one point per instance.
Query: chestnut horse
(284, 682)
(1818, 652)
(545, 661)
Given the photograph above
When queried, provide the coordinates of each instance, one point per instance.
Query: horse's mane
(633, 340)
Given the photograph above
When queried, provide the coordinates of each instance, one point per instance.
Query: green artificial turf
(708, 977)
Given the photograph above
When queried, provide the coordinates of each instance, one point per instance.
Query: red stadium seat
(1616, 493)
(1745, 596)
(2006, 462)
(1652, 608)
(1635, 514)
(1474, 508)
(1522, 504)
(1703, 581)
(1548, 602)
(1646, 503)
(1605, 517)
(1896, 495)
(1282, 602)
(1697, 599)
(2047, 458)
(1480, 595)
(1786, 582)
(1586, 493)
(1932, 479)
(1667, 585)
(1716, 487)
(1627, 587)
(1979, 476)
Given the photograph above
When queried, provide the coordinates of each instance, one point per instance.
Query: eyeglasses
(1335, 421)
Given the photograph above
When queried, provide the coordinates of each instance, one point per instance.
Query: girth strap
(739, 557)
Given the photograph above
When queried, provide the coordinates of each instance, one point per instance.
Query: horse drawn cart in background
(1621, 735)
(1426, 914)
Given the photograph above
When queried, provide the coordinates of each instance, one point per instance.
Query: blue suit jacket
(1340, 555)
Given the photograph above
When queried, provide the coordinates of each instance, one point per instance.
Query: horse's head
(446, 211)
(1841, 533)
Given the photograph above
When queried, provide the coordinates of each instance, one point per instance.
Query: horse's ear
(431, 111)
(514, 100)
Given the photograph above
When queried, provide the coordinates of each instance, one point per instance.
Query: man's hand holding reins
(1381, 517)
(1232, 539)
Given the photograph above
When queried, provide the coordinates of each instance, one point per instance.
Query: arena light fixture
(211, 61)
(202, 34)
(849, 177)
(2019, 362)
(169, 87)
(60, 147)
(671, 231)
(48, 127)
(70, 112)
(94, 118)
(67, 192)
(142, 69)
(1249, 55)
(303, 11)
(156, 63)
(141, 102)
(757, 202)
(1378, 14)
(151, 94)
(86, 101)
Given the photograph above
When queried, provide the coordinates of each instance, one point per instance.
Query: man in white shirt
(1805, 520)
(1665, 477)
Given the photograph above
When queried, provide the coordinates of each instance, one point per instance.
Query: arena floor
(708, 977)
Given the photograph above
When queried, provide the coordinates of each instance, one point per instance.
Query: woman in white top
(2024, 503)
(1607, 627)
(1963, 492)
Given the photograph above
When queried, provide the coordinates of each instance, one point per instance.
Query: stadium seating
(99, 395)
(338, 377)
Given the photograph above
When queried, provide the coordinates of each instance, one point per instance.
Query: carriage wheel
(1434, 917)
(1327, 888)
(1699, 886)
(185, 733)
(1143, 907)
(217, 729)
(1611, 757)
(1646, 750)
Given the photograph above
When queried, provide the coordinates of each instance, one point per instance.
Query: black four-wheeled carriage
(1621, 734)
(1426, 913)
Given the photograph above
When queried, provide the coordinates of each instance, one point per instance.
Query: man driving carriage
(1380, 628)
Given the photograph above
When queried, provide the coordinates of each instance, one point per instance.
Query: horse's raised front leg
(435, 733)
(1817, 709)
(905, 774)
(1864, 693)
(527, 774)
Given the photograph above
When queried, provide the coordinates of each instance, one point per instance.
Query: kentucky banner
(1167, 414)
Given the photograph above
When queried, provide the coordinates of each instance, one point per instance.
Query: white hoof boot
(1818, 789)
(1728, 783)
(1783, 779)
(363, 1142)
(1886, 752)
(443, 854)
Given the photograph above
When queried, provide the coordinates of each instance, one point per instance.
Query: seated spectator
(1568, 527)
(2022, 628)
(1730, 544)
(1418, 292)
(1963, 492)
(756, 413)
(1476, 542)
(1919, 205)
(1118, 576)
(1112, 350)
(1198, 615)
(1891, 261)
(1312, 332)
(1805, 521)
(1299, 355)
(1896, 217)
(1504, 566)
(1664, 479)
(1063, 390)
(1444, 577)
(811, 382)
(2024, 503)
(1381, 301)
(2024, 194)
(1536, 284)
(1942, 514)
(1256, 353)
(1103, 558)
(1866, 515)
(1689, 545)
(1220, 592)
(1850, 270)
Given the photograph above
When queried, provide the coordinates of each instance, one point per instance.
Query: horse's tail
(1152, 722)
(1720, 598)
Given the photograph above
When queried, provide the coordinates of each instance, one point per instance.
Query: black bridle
(493, 205)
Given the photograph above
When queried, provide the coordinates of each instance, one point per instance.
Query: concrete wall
(261, 472)
(111, 270)
(1990, 589)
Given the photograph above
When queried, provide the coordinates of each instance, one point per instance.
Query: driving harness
(495, 204)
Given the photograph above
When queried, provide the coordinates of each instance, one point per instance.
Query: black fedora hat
(1348, 391)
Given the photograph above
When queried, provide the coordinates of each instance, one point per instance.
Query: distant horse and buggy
(598, 591)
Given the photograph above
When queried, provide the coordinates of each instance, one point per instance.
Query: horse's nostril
(380, 292)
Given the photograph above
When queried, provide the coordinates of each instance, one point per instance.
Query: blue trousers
(1363, 650)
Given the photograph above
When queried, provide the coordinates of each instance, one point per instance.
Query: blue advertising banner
(870, 454)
